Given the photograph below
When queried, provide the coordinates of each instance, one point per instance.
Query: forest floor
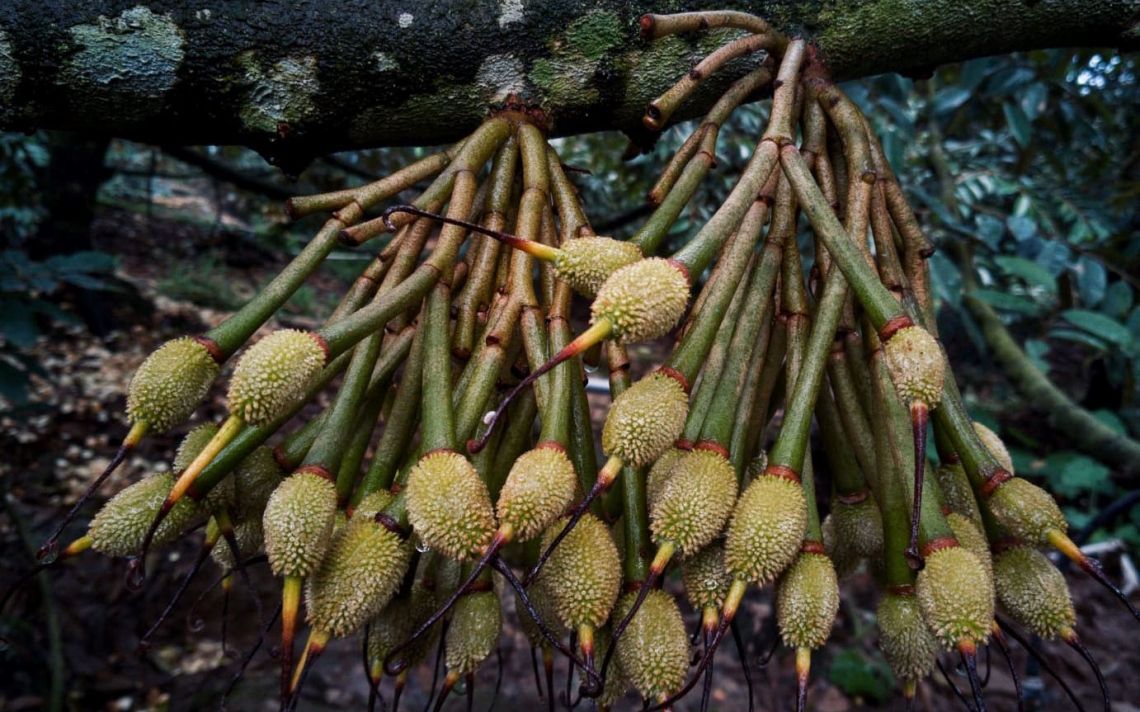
(82, 620)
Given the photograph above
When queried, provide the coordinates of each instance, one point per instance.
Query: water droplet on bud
(48, 552)
(421, 546)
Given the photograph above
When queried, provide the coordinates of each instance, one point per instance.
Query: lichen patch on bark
(9, 71)
(281, 94)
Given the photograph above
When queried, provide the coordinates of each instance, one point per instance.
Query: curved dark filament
(1003, 646)
(47, 551)
(393, 666)
(986, 678)
(742, 649)
(706, 688)
(248, 657)
(503, 237)
(919, 420)
(801, 691)
(566, 702)
(435, 670)
(548, 668)
(953, 686)
(498, 680)
(1076, 644)
(579, 510)
(1090, 566)
(203, 554)
(595, 681)
(1040, 659)
(470, 679)
(240, 565)
(537, 676)
(971, 660)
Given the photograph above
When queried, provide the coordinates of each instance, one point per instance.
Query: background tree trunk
(298, 78)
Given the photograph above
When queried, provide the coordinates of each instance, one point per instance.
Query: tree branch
(299, 78)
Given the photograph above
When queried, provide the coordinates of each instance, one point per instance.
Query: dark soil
(82, 619)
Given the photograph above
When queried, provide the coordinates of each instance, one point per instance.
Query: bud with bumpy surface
(654, 651)
(449, 506)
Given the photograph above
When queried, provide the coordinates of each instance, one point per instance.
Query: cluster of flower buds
(425, 482)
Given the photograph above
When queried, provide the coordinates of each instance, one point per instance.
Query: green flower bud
(807, 599)
(957, 494)
(643, 300)
(996, 447)
(274, 374)
(120, 527)
(539, 487)
(255, 479)
(583, 574)
(706, 579)
(766, 529)
(954, 599)
(906, 642)
(916, 365)
(860, 527)
(660, 472)
(1028, 512)
(170, 384)
(1033, 591)
(840, 550)
(394, 624)
(357, 578)
(474, 632)
(250, 537)
(695, 503)
(585, 263)
(372, 504)
(645, 420)
(449, 506)
(971, 538)
(654, 650)
(543, 604)
(298, 524)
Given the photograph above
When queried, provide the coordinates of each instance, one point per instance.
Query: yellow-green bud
(654, 650)
(766, 529)
(645, 420)
(996, 447)
(359, 575)
(660, 472)
(474, 632)
(170, 384)
(585, 263)
(543, 604)
(706, 579)
(695, 503)
(643, 300)
(971, 538)
(372, 504)
(255, 479)
(807, 599)
(298, 524)
(957, 494)
(221, 494)
(394, 624)
(859, 526)
(1028, 512)
(916, 365)
(907, 643)
(120, 527)
(274, 374)
(449, 506)
(583, 574)
(539, 487)
(1033, 591)
(839, 550)
(954, 599)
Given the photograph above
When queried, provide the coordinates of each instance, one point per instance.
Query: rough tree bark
(298, 78)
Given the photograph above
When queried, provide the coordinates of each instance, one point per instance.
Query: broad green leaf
(859, 676)
(1036, 350)
(1100, 325)
(1008, 302)
(949, 99)
(1019, 124)
(1021, 227)
(1033, 273)
(17, 323)
(1081, 337)
(990, 229)
(1117, 299)
(1091, 281)
(1054, 257)
(1083, 474)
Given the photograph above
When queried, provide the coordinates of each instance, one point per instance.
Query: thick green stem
(401, 424)
(438, 414)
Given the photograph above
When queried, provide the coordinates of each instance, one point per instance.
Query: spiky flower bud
(643, 300)
(372, 504)
(807, 599)
(859, 525)
(971, 538)
(583, 574)
(1027, 511)
(394, 624)
(540, 485)
(1033, 591)
(274, 374)
(907, 643)
(916, 365)
(170, 384)
(616, 682)
(449, 506)
(255, 479)
(363, 568)
(298, 524)
(250, 538)
(121, 525)
(996, 447)
(645, 420)
(706, 579)
(222, 494)
(957, 494)
(695, 503)
(474, 632)
(953, 597)
(543, 604)
(654, 650)
(585, 263)
(766, 529)
(840, 550)
(659, 474)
